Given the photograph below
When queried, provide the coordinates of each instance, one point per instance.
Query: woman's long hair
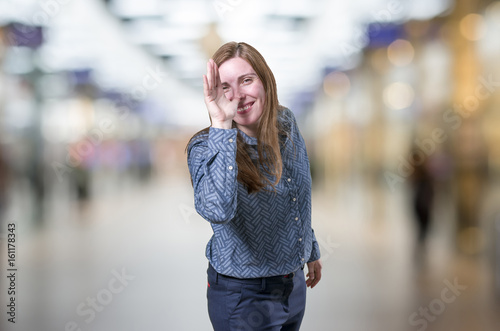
(250, 174)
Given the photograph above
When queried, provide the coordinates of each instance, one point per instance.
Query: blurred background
(398, 102)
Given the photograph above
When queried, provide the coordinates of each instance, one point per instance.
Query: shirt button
(294, 199)
(289, 179)
(300, 239)
(231, 140)
(230, 167)
(302, 259)
(296, 218)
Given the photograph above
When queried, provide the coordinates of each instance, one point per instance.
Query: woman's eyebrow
(249, 74)
(240, 77)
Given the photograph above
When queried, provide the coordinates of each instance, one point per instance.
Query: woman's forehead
(235, 68)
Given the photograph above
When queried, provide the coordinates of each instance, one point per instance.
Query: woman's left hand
(314, 273)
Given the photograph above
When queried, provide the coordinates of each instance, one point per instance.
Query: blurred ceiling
(118, 39)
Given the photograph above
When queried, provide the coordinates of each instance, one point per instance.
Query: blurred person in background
(81, 176)
(251, 178)
(140, 150)
(423, 196)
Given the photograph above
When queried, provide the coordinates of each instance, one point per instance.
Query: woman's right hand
(220, 108)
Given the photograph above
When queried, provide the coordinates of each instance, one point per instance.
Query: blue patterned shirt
(259, 234)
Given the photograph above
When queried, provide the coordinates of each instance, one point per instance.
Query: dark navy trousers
(256, 304)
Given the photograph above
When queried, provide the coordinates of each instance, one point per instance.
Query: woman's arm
(212, 155)
(212, 164)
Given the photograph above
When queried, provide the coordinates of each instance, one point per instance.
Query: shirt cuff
(315, 253)
(223, 140)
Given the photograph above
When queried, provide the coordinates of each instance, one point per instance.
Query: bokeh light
(400, 52)
(493, 13)
(336, 84)
(472, 27)
(398, 95)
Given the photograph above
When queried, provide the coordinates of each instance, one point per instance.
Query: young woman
(251, 179)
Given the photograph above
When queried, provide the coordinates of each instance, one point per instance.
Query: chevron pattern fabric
(261, 234)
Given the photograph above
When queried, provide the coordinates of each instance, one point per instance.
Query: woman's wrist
(223, 125)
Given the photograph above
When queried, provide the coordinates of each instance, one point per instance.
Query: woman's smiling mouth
(245, 109)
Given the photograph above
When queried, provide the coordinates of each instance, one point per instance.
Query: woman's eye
(247, 80)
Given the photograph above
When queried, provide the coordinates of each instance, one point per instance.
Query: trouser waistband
(258, 280)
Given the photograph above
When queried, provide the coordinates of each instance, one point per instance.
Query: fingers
(205, 86)
(317, 275)
(219, 106)
(210, 75)
(314, 274)
(209, 81)
(213, 74)
(213, 81)
(216, 75)
(311, 280)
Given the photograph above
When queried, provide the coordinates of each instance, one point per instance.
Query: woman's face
(240, 82)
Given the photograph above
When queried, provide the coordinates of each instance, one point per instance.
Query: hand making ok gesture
(220, 108)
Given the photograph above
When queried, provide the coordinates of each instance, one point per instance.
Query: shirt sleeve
(315, 253)
(213, 169)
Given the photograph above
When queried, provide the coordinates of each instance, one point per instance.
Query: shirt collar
(248, 140)
(253, 141)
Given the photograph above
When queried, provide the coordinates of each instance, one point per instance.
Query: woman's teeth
(244, 108)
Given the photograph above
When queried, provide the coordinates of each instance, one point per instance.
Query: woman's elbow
(216, 213)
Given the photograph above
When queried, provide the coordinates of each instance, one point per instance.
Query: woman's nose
(240, 95)
(236, 93)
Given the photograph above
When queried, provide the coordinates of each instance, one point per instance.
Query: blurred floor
(151, 236)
